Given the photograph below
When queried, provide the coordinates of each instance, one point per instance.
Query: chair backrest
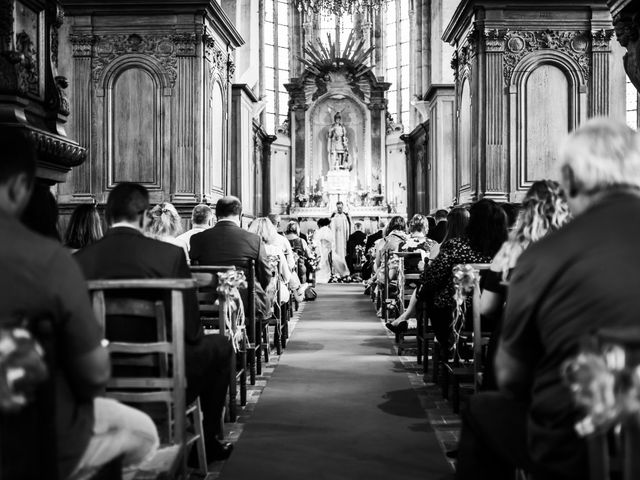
(478, 341)
(116, 298)
(27, 437)
(212, 307)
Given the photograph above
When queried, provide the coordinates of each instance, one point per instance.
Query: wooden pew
(166, 357)
(213, 314)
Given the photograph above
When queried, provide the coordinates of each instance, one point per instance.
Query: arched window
(276, 62)
(397, 56)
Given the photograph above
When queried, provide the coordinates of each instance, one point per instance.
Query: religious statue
(337, 144)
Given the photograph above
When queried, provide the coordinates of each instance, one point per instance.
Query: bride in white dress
(323, 241)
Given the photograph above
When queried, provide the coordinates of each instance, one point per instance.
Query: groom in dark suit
(125, 252)
(228, 244)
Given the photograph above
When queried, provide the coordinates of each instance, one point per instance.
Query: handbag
(310, 294)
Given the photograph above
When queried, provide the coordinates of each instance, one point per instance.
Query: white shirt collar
(125, 225)
(232, 220)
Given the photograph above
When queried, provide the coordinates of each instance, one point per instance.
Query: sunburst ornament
(320, 58)
(338, 7)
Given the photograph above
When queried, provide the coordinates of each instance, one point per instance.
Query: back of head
(84, 227)
(41, 212)
(397, 223)
(418, 224)
(431, 222)
(323, 222)
(511, 210)
(603, 154)
(382, 224)
(126, 203)
(165, 221)
(274, 218)
(441, 215)
(544, 209)
(293, 228)
(17, 170)
(263, 227)
(228, 207)
(358, 226)
(201, 215)
(18, 155)
(457, 221)
(487, 229)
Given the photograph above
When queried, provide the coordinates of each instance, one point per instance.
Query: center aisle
(339, 404)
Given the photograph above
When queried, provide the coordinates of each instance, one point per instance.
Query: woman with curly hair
(165, 225)
(85, 227)
(544, 210)
(457, 221)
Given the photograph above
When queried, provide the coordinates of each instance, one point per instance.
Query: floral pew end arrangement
(605, 387)
(229, 284)
(465, 278)
(22, 368)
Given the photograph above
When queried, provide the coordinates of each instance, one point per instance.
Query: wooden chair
(614, 453)
(164, 356)
(254, 347)
(28, 447)
(461, 370)
(408, 281)
(213, 314)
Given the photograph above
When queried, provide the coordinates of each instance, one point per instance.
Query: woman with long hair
(457, 221)
(266, 230)
(85, 227)
(394, 236)
(165, 225)
(544, 210)
(486, 231)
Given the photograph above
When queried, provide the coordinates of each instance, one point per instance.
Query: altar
(338, 131)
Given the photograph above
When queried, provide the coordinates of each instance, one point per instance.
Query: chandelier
(338, 7)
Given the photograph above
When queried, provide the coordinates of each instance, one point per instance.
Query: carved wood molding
(220, 64)
(106, 48)
(518, 44)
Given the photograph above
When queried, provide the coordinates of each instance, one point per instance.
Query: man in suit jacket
(228, 244)
(440, 229)
(125, 252)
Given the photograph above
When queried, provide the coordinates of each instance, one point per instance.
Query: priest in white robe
(341, 228)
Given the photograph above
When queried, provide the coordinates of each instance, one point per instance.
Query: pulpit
(151, 97)
(526, 75)
(33, 94)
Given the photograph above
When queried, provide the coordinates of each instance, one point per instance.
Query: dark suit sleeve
(192, 327)
(194, 249)
(263, 269)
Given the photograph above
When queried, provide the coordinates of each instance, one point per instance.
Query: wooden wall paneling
(600, 82)
(465, 166)
(546, 121)
(134, 129)
(496, 166)
(186, 162)
(79, 187)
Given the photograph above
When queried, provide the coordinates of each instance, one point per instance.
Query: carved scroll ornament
(575, 44)
(110, 47)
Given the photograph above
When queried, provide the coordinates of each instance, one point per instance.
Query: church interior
(334, 116)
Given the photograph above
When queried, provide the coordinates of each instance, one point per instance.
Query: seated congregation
(524, 306)
(138, 401)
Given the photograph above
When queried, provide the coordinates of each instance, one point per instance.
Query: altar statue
(337, 144)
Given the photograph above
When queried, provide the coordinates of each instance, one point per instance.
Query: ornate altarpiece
(338, 83)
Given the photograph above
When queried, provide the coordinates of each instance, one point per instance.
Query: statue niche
(338, 144)
(337, 126)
